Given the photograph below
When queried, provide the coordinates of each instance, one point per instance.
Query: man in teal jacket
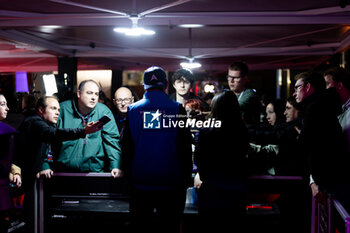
(88, 154)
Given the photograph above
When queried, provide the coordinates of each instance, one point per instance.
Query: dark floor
(66, 219)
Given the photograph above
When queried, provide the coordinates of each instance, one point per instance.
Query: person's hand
(297, 129)
(46, 173)
(321, 198)
(117, 173)
(318, 195)
(314, 189)
(17, 180)
(93, 127)
(197, 181)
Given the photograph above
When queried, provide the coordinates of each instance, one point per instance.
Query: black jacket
(321, 140)
(221, 159)
(249, 103)
(289, 160)
(31, 144)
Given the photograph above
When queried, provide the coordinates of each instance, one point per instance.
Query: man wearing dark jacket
(321, 139)
(33, 147)
(157, 157)
(339, 79)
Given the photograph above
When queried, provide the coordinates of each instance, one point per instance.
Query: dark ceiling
(266, 34)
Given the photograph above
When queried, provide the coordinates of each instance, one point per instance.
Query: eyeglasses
(298, 86)
(232, 77)
(125, 100)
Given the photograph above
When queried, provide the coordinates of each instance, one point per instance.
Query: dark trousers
(295, 210)
(29, 205)
(169, 205)
(221, 210)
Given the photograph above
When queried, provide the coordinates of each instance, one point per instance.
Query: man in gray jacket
(248, 100)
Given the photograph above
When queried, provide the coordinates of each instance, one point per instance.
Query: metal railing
(329, 216)
(269, 184)
(324, 212)
(39, 216)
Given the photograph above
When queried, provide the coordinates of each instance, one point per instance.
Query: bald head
(122, 99)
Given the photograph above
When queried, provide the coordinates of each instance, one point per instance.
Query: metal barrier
(324, 212)
(329, 217)
(39, 192)
(270, 183)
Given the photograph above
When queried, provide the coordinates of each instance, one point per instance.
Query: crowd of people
(157, 145)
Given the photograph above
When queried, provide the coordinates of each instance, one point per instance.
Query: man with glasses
(247, 98)
(321, 140)
(122, 99)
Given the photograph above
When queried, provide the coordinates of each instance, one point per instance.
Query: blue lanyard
(85, 119)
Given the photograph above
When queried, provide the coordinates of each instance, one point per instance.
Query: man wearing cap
(157, 157)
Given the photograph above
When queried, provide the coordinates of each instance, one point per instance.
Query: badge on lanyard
(49, 155)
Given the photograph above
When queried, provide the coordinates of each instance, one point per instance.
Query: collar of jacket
(308, 100)
(76, 111)
(346, 105)
(120, 118)
(154, 92)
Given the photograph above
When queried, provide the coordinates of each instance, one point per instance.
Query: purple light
(21, 82)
